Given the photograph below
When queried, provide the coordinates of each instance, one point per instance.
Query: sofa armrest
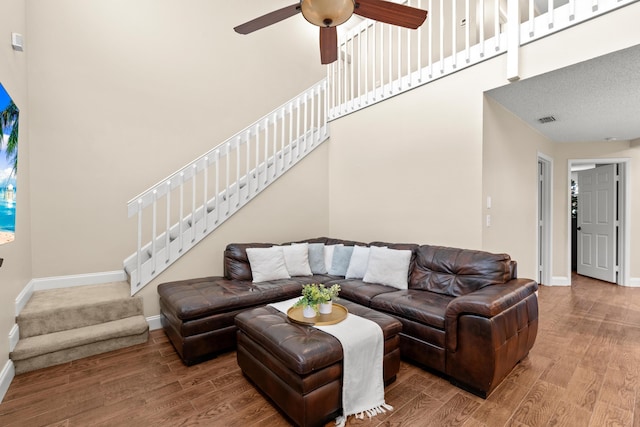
(486, 302)
(488, 332)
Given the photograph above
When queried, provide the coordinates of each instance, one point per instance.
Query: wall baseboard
(154, 322)
(559, 281)
(57, 282)
(14, 336)
(634, 282)
(6, 376)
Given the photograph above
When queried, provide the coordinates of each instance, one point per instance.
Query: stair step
(63, 309)
(41, 351)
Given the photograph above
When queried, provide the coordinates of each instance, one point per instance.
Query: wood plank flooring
(584, 370)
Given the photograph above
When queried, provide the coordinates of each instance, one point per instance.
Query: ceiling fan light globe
(327, 13)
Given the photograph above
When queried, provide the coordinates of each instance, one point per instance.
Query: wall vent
(547, 119)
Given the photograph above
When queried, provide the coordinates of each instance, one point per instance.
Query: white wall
(419, 167)
(15, 273)
(124, 93)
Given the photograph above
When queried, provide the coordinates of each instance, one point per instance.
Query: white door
(597, 234)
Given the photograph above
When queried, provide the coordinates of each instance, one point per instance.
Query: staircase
(61, 325)
(177, 213)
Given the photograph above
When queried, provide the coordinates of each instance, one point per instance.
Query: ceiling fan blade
(328, 45)
(391, 13)
(268, 19)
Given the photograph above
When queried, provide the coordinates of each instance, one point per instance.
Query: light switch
(17, 42)
(488, 220)
(488, 202)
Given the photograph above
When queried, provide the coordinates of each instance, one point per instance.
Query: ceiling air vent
(547, 119)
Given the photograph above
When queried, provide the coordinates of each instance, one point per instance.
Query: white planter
(308, 311)
(326, 307)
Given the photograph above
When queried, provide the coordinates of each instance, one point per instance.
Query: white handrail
(449, 44)
(253, 156)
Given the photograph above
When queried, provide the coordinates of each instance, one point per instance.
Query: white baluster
(399, 48)
(154, 231)
(572, 10)
(216, 162)
(193, 203)
(441, 36)
(181, 212)
(496, 23)
(248, 170)
(266, 151)
(419, 48)
(390, 60)
(550, 14)
(467, 30)
(305, 126)
(282, 138)
(481, 21)
(430, 42)
(205, 196)
(228, 176)
(238, 151)
(139, 250)
(532, 21)
(454, 31)
(167, 240)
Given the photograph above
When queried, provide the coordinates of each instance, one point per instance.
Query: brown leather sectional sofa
(465, 314)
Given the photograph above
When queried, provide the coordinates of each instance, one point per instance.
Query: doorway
(599, 246)
(545, 171)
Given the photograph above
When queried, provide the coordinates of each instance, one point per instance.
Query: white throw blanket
(363, 352)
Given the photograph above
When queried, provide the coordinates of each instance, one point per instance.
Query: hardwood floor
(584, 370)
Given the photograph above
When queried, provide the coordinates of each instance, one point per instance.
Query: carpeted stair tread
(63, 340)
(69, 308)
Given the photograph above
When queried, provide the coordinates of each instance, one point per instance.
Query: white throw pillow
(328, 255)
(358, 263)
(296, 259)
(388, 267)
(267, 264)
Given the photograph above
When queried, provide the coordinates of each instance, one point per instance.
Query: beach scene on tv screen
(8, 166)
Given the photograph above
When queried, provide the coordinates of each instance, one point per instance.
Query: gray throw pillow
(340, 260)
(316, 258)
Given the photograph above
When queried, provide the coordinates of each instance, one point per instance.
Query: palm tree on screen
(9, 119)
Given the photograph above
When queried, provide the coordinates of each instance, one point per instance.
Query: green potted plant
(313, 296)
(328, 296)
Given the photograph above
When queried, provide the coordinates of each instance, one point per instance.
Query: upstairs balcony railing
(377, 61)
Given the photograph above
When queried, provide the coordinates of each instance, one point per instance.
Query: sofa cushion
(197, 298)
(358, 291)
(456, 272)
(423, 307)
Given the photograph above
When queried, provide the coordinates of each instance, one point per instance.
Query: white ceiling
(591, 101)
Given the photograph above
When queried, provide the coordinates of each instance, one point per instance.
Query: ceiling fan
(327, 14)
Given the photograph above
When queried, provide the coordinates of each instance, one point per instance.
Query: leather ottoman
(299, 367)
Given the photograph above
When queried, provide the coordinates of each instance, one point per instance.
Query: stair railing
(182, 209)
(377, 61)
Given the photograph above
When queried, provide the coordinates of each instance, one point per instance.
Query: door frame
(624, 213)
(544, 219)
